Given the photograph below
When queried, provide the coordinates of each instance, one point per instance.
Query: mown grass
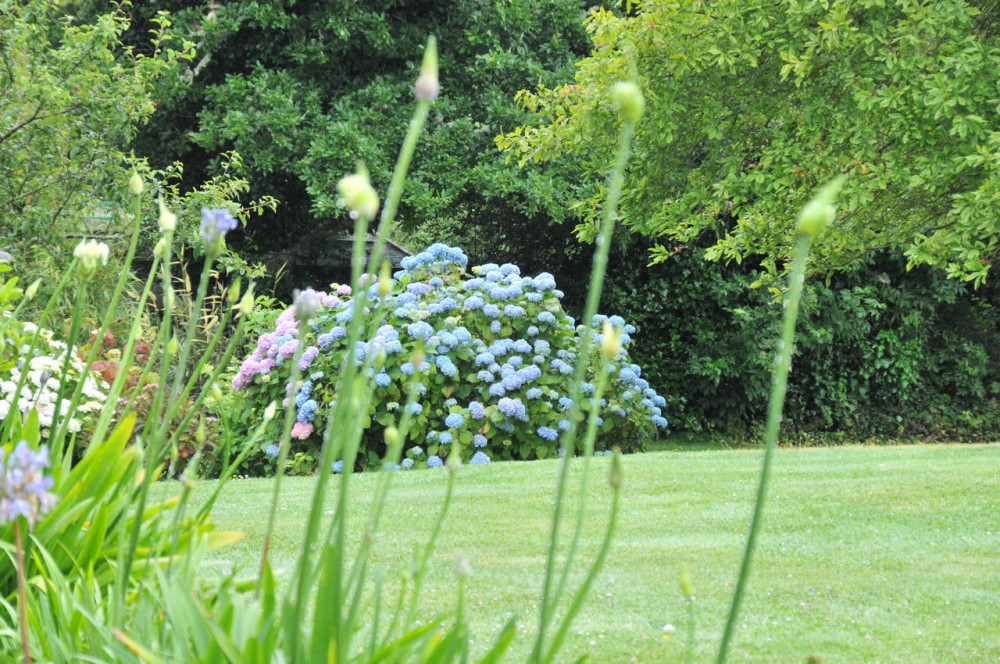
(868, 554)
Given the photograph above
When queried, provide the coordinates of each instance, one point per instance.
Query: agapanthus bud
(168, 220)
(307, 304)
(687, 588)
(358, 195)
(391, 435)
(91, 254)
(173, 346)
(611, 340)
(135, 184)
(462, 568)
(616, 477)
(32, 290)
(384, 280)
(233, 294)
(629, 98)
(168, 298)
(820, 211)
(246, 303)
(160, 247)
(427, 86)
(270, 410)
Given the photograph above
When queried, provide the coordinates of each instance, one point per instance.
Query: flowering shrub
(492, 350)
(44, 368)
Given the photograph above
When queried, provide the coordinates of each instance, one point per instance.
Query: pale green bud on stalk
(186, 481)
(168, 298)
(270, 410)
(32, 290)
(629, 99)
(616, 477)
(173, 346)
(217, 392)
(820, 211)
(246, 303)
(168, 220)
(307, 304)
(687, 588)
(384, 280)
(92, 254)
(454, 461)
(611, 341)
(358, 195)
(135, 184)
(463, 570)
(234, 292)
(161, 246)
(199, 433)
(427, 86)
(391, 435)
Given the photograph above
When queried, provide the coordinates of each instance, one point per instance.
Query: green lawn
(888, 554)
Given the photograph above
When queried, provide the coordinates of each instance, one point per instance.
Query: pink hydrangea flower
(302, 430)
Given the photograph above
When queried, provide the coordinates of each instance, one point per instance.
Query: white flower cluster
(41, 386)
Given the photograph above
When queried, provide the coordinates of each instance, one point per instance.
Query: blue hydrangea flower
(417, 451)
(513, 311)
(407, 463)
(491, 310)
(495, 327)
(512, 408)
(434, 462)
(407, 368)
(484, 376)
(454, 420)
(547, 433)
(337, 467)
(382, 379)
(563, 425)
(307, 413)
(546, 317)
(415, 408)
(479, 440)
(272, 451)
(445, 438)
(476, 410)
(659, 421)
(533, 393)
(420, 330)
(479, 457)
(474, 302)
(566, 403)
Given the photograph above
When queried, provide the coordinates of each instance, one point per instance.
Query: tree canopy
(751, 105)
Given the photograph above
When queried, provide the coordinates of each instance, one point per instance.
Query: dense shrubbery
(882, 351)
(498, 351)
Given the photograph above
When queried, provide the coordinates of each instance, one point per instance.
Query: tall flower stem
(603, 242)
(22, 602)
(782, 364)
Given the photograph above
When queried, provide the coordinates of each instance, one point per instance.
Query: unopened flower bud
(629, 99)
(820, 211)
(161, 246)
(199, 433)
(246, 302)
(91, 254)
(186, 481)
(462, 568)
(687, 588)
(32, 290)
(427, 86)
(307, 304)
(216, 392)
(173, 346)
(357, 194)
(234, 291)
(168, 298)
(611, 340)
(391, 435)
(270, 410)
(168, 220)
(384, 280)
(616, 478)
(135, 185)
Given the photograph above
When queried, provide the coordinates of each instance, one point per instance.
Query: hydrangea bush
(492, 350)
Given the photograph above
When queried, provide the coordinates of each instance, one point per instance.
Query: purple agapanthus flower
(24, 487)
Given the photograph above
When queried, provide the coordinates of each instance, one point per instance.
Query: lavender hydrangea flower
(24, 487)
(476, 410)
